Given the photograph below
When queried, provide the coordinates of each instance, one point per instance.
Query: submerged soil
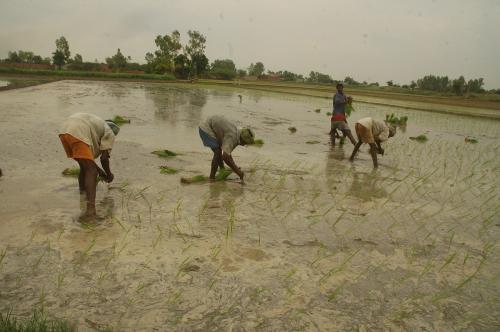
(310, 242)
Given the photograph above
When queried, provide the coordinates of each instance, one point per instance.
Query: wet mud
(310, 242)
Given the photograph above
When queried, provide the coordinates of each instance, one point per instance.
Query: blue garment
(208, 140)
(339, 98)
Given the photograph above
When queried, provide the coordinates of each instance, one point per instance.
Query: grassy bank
(84, 74)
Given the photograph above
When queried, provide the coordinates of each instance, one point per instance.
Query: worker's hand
(109, 178)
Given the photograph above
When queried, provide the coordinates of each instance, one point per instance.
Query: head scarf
(114, 127)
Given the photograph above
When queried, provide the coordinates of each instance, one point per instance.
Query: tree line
(189, 61)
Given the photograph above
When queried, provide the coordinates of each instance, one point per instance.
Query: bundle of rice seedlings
(119, 120)
(328, 113)
(420, 138)
(313, 142)
(292, 129)
(471, 140)
(167, 170)
(392, 119)
(317, 110)
(258, 142)
(223, 174)
(75, 172)
(165, 153)
(348, 107)
(194, 179)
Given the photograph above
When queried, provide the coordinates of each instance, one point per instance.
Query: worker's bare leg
(356, 148)
(373, 152)
(216, 162)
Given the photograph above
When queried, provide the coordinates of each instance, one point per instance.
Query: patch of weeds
(313, 142)
(119, 120)
(420, 138)
(471, 140)
(37, 322)
(394, 120)
(165, 153)
(167, 170)
(292, 129)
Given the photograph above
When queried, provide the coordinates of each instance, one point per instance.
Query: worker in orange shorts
(84, 138)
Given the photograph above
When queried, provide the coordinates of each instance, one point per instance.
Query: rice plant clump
(167, 170)
(165, 153)
(420, 138)
(37, 322)
(394, 120)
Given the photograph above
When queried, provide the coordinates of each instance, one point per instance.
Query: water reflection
(174, 104)
(367, 186)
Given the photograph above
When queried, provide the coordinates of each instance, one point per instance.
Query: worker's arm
(108, 176)
(228, 159)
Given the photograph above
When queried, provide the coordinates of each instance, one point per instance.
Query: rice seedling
(292, 129)
(165, 153)
(471, 140)
(339, 268)
(420, 138)
(230, 220)
(60, 279)
(120, 120)
(448, 261)
(38, 321)
(313, 142)
(167, 170)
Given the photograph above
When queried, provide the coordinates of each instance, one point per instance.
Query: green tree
(182, 66)
(317, 77)
(78, 59)
(62, 45)
(241, 73)
(195, 50)
(168, 48)
(117, 61)
(256, 69)
(459, 86)
(390, 83)
(223, 69)
(475, 85)
(58, 58)
(13, 57)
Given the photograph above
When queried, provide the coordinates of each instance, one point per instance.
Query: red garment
(339, 117)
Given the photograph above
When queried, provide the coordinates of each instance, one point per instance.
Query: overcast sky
(372, 40)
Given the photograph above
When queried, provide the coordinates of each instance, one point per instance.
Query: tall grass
(85, 74)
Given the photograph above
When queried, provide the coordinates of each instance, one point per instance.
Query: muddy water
(310, 242)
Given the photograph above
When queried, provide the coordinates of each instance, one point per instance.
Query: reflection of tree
(174, 104)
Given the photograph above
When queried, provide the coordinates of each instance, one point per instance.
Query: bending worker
(84, 138)
(372, 132)
(222, 136)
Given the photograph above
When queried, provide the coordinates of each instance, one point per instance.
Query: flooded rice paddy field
(310, 242)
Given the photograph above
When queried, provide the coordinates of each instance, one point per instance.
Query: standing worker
(222, 136)
(84, 138)
(339, 119)
(372, 132)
